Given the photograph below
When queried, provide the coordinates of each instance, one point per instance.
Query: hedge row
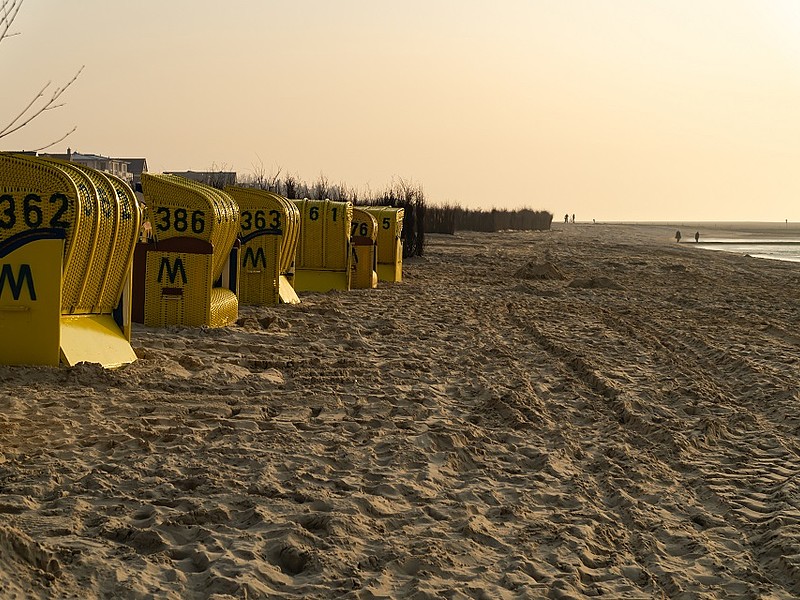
(420, 218)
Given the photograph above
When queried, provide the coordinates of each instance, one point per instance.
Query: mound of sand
(534, 270)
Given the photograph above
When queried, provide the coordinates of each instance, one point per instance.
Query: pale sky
(613, 110)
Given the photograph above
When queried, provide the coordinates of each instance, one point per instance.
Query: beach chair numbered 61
(67, 235)
(324, 258)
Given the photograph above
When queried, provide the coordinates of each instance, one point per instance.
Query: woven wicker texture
(36, 194)
(104, 241)
(390, 230)
(128, 223)
(269, 229)
(72, 205)
(178, 289)
(324, 242)
(364, 232)
(111, 256)
(259, 283)
(178, 292)
(178, 285)
(224, 307)
(77, 279)
(178, 207)
(364, 224)
(228, 211)
(291, 231)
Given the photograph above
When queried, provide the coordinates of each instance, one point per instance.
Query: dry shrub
(401, 193)
(451, 218)
(420, 218)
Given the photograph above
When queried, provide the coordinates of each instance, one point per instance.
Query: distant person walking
(566, 218)
(573, 218)
(678, 236)
(697, 237)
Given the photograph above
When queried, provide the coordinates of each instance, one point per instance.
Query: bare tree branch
(274, 180)
(25, 117)
(9, 9)
(61, 139)
(8, 13)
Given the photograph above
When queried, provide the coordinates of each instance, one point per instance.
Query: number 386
(180, 220)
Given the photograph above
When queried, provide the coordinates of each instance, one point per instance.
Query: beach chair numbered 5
(390, 244)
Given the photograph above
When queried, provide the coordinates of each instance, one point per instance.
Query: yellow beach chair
(269, 230)
(363, 236)
(67, 235)
(324, 257)
(187, 274)
(390, 244)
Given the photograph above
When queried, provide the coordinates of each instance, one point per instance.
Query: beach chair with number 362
(67, 234)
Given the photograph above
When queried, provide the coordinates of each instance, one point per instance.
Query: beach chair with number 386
(187, 274)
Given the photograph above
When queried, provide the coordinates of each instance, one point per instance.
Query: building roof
(77, 156)
(136, 166)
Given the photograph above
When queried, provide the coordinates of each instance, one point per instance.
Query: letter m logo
(255, 257)
(15, 282)
(172, 270)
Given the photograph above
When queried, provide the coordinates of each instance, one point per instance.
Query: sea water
(773, 249)
(770, 240)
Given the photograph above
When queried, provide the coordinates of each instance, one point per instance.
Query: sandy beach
(595, 410)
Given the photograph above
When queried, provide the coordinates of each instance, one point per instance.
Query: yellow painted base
(311, 280)
(95, 339)
(30, 303)
(286, 291)
(390, 272)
